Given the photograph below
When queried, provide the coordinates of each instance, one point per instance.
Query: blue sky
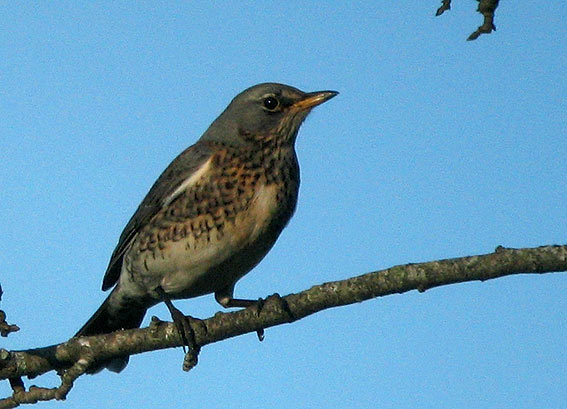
(435, 148)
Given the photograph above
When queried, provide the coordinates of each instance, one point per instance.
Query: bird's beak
(313, 99)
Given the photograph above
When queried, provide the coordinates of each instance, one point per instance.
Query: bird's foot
(184, 328)
(191, 359)
(283, 304)
(228, 302)
(260, 303)
(184, 324)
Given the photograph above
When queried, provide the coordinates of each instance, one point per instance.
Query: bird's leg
(226, 299)
(182, 322)
(284, 306)
(241, 303)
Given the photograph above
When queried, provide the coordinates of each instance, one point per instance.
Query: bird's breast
(213, 233)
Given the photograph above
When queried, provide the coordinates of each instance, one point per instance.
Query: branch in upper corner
(445, 5)
(73, 358)
(485, 7)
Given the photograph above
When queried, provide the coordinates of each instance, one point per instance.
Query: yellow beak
(313, 99)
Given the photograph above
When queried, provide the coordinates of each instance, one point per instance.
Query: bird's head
(263, 113)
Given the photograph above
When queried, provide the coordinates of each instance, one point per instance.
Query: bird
(213, 214)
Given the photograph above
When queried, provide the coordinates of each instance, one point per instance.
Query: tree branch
(485, 7)
(73, 358)
(6, 328)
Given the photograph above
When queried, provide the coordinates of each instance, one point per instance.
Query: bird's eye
(271, 103)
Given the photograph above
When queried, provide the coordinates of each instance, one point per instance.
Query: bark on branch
(72, 358)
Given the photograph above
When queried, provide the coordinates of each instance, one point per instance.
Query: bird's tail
(115, 313)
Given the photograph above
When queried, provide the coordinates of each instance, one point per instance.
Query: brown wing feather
(179, 170)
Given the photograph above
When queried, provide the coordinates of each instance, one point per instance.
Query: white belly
(199, 265)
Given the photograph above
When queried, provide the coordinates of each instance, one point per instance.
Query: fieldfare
(214, 212)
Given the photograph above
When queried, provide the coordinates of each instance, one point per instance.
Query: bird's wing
(169, 185)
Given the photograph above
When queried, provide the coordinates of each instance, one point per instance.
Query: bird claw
(191, 359)
(284, 306)
(184, 325)
(259, 306)
(184, 328)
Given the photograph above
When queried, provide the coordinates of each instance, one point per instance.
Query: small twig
(486, 8)
(33, 395)
(36, 394)
(6, 328)
(445, 5)
(68, 377)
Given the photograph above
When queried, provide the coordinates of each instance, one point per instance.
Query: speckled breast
(220, 226)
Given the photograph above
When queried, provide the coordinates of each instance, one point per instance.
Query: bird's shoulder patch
(188, 182)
